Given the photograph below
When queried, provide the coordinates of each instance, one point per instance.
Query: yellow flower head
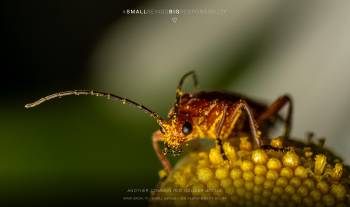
(300, 175)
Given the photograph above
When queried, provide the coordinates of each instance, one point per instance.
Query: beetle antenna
(183, 78)
(96, 93)
(179, 91)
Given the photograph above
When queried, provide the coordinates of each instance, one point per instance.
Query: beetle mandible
(214, 115)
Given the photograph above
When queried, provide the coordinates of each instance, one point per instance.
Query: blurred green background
(88, 147)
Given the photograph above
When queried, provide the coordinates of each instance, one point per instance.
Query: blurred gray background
(263, 49)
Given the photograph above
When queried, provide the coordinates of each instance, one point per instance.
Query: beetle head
(176, 131)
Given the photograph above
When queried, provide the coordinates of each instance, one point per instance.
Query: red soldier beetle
(212, 115)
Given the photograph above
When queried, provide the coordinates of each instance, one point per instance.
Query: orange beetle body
(205, 112)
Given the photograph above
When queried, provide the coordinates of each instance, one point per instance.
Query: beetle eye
(187, 128)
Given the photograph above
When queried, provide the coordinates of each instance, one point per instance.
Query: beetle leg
(222, 152)
(253, 126)
(274, 108)
(158, 136)
(218, 132)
